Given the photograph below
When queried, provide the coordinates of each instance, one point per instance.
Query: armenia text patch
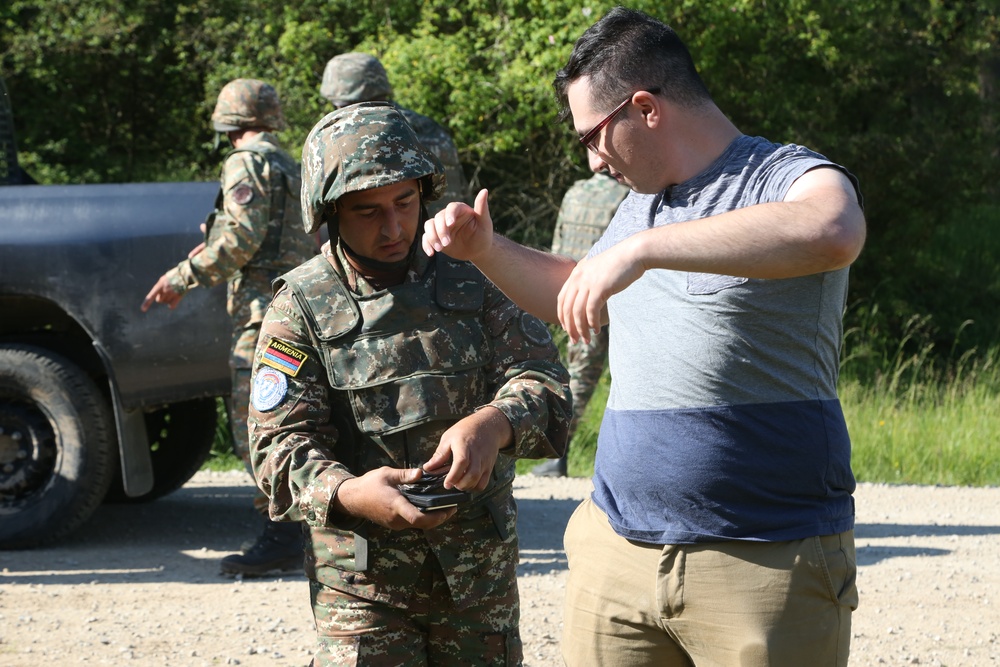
(283, 357)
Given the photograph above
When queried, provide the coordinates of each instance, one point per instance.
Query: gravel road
(139, 585)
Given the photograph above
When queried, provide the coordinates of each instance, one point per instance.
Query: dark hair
(626, 51)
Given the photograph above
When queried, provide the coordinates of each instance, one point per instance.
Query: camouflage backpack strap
(326, 303)
(219, 199)
(271, 245)
(460, 285)
(210, 218)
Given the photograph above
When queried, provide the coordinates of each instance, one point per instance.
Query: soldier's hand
(375, 496)
(468, 450)
(162, 292)
(461, 231)
(198, 248)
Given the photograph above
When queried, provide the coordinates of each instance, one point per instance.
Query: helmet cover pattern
(247, 103)
(360, 147)
(355, 77)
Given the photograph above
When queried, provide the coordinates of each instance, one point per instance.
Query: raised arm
(530, 278)
(818, 227)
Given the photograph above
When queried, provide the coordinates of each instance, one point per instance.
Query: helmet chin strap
(375, 264)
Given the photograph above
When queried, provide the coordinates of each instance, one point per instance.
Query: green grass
(943, 434)
(222, 457)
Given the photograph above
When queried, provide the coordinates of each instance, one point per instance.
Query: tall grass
(916, 414)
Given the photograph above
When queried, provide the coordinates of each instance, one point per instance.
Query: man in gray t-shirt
(720, 530)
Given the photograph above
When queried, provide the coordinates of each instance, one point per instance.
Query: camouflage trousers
(364, 633)
(238, 404)
(247, 304)
(585, 363)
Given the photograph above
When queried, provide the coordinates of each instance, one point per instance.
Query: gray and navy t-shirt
(723, 421)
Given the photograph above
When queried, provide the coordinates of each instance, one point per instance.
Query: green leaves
(903, 94)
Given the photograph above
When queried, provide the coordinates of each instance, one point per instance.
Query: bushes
(904, 95)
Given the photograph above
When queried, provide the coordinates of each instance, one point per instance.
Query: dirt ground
(139, 585)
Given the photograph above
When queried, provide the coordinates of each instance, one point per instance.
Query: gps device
(428, 493)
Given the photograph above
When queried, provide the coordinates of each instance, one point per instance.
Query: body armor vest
(285, 244)
(586, 210)
(406, 356)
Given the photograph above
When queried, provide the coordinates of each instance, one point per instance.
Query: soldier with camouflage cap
(586, 209)
(254, 235)
(355, 77)
(375, 364)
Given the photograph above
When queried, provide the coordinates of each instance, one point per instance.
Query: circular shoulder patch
(242, 194)
(535, 330)
(269, 389)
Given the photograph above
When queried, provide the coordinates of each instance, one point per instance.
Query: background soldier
(359, 77)
(254, 235)
(587, 208)
(376, 363)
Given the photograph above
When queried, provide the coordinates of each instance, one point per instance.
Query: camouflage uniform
(358, 77)
(254, 235)
(587, 208)
(349, 378)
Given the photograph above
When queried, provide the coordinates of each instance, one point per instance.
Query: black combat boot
(551, 468)
(278, 549)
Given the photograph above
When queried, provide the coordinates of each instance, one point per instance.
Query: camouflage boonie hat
(247, 103)
(360, 147)
(355, 77)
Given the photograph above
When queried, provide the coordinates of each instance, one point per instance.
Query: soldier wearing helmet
(254, 235)
(378, 371)
(355, 77)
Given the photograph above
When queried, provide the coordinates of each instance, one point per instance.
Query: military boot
(278, 549)
(551, 468)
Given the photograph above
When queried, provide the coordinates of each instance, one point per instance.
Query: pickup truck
(99, 402)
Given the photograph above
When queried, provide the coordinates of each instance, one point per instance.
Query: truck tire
(56, 446)
(180, 440)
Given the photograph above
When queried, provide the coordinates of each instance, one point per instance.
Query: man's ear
(650, 106)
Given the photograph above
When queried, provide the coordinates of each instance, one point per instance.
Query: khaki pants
(785, 604)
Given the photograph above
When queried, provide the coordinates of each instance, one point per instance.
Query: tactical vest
(586, 210)
(285, 243)
(410, 355)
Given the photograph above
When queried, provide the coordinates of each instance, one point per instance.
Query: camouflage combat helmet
(246, 103)
(355, 77)
(361, 147)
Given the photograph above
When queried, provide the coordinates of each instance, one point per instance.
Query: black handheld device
(428, 493)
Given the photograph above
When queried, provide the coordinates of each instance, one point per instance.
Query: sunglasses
(589, 139)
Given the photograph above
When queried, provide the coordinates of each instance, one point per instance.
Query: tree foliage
(903, 94)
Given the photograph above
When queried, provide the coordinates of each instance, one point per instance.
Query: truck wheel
(180, 439)
(56, 446)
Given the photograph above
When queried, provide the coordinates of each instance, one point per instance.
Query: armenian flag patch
(283, 357)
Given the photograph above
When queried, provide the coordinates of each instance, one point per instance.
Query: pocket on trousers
(500, 650)
(840, 567)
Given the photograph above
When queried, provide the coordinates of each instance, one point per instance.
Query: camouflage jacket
(586, 210)
(437, 139)
(257, 222)
(371, 378)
